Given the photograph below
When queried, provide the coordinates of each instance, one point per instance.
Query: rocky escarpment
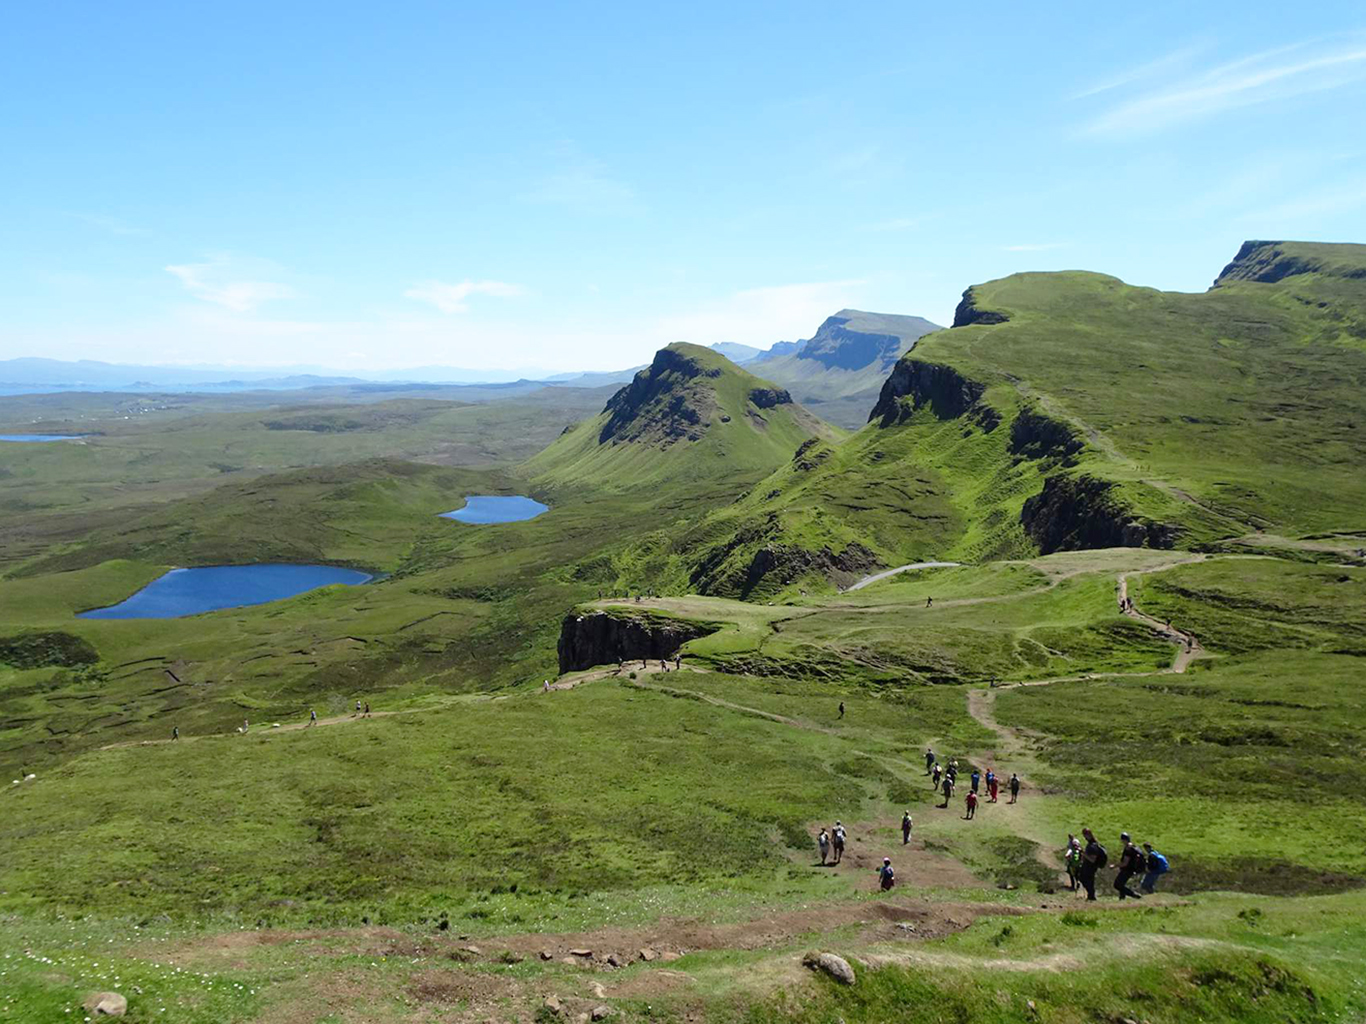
(753, 562)
(836, 346)
(768, 398)
(42, 649)
(1269, 262)
(946, 391)
(663, 402)
(967, 314)
(1074, 513)
(1033, 435)
(604, 638)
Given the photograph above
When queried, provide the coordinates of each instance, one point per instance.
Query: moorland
(602, 741)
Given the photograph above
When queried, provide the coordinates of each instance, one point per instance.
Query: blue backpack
(1158, 863)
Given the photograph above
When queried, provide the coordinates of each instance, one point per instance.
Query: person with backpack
(975, 779)
(175, 732)
(886, 876)
(1131, 863)
(1071, 859)
(948, 790)
(905, 828)
(823, 841)
(972, 805)
(930, 760)
(839, 842)
(937, 775)
(1014, 787)
(1157, 867)
(992, 785)
(841, 709)
(1093, 858)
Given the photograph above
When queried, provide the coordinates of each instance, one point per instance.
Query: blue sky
(572, 186)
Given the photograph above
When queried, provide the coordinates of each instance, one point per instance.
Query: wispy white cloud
(113, 225)
(761, 316)
(1296, 70)
(452, 298)
(1149, 69)
(220, 281)
(1032, 247)
(584, 185)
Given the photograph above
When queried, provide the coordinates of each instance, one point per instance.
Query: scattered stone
(552, 1003)
(601, 1012)
(587, 954)
(598, 991)
(669, 956)
(474, 950)
(835, 966)
(648, 954)
(547, 955)
(906, 926)
(613, 960)
(570, 961)
(106, 1004)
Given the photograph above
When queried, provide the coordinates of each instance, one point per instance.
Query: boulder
(669, 956)
(613, 960)
(835, 966)
(648, 954)
(552, 1003)
(598, 991)
(601, 1012)
(106, 1004)
(547, 955)
(585, 953)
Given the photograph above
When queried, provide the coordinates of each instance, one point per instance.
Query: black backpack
(1102, 858)
(1139, 862)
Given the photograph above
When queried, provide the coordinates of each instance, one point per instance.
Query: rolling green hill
(1071, 410)
(838, 371)
(692, 417)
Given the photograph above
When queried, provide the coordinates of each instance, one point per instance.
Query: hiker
(975, 779)
(175, 732)
(948, 790)
(972, 805)
(245, 725)
(1014, 787)
(367, 709)
(839, 842)
(929, 760)
(1071, 858)
(935, 776)
(545, 686)
(886, 877)
(823, 841)
(905, 828)
(1131, 862)
(841, 709)
(357, 714)
(1157, 867)
(678, 662)
(993, 784)
(1093, 858)
(312, 716)
(929, 602)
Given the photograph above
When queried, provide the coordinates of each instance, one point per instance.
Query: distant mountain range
(37, 375)
(838, 371)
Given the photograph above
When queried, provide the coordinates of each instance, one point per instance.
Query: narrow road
(868, 580)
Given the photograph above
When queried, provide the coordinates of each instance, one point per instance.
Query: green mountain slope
(1071, 410)
(838, 371)
(691, 418)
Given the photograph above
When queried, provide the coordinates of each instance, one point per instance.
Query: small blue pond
(191, 591)
(492, 508)
(41, 437)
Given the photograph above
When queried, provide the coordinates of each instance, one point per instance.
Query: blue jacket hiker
(1157, 867)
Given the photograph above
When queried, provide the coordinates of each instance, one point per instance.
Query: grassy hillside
(838, 371)
(1070, 410)
(691, 418)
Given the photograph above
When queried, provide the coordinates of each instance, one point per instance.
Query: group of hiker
(1083, 861)
(832, 845)
(944, 778)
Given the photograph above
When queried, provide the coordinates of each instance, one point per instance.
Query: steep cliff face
(662, 401)
(1034, 435)
(769, 398)
(603, 638)
(1269, 262)
(946, 391)
(967, 313)
(1074, 513)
